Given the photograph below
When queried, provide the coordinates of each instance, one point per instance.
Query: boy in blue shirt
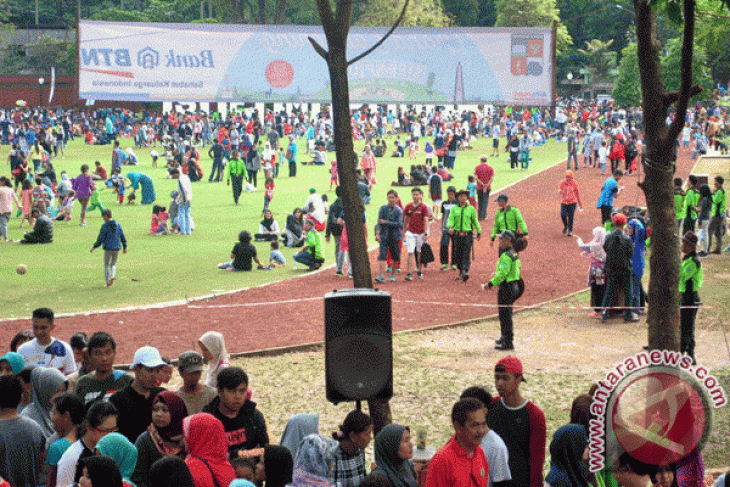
(111, 237)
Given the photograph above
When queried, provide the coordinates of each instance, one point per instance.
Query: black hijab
(102, 471)
(170, 472)
(278, 465)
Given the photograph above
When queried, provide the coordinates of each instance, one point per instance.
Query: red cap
(510, 364)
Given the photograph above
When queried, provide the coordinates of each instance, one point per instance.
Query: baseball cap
(502, 197)
(190, 362)
(511, 364)
(508, 234)
(148, 356)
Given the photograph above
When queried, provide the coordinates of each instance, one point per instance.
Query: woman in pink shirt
(83, 185)
(570, 198)
(367, 163)
(7, 198)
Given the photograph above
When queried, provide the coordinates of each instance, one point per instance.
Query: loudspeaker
(358, 351)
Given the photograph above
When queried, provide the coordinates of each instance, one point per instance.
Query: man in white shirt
(315, 209)
(185, 191)
(44, 350)
(494, 448)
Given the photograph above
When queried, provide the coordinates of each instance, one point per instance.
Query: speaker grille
(358, 366)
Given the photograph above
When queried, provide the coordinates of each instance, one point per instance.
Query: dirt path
(291, 312)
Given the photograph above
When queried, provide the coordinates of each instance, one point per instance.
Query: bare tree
(336, 27)
(660, 139)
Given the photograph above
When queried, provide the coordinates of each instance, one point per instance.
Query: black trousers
(689, 224)
(444, 249)
(618, 279)
(292, 169)
(606, 213)
(567, 214)
(237, 184)
(506, 296)
(483, 201)
(252, 175)
(715, 230)
(687, 322)
(462, 252)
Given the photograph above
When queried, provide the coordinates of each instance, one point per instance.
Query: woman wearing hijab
(170, 472)
(268, 228)
(567, 468)
(637, 232)
(315, 462)
(207, 451)
(393, 450)
(164, 437)
(213, 348)
(138, 179)
(100, 472)
(45, 382)
(117, 447)
(299, 426)
(596, 272)
(11, 363)
(570, 197)
(275, 467)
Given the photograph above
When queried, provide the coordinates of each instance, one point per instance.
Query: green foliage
(463, 12)
(627, 91)
(671, 71)
(47, 52)
(713, 33)
(599, 62)
(421, 13)
(532, 13)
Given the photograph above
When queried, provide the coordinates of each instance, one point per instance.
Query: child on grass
(472, 188)
(268, 192)
(159, 221)
(276, 258)
(26, 196)
(333, 174)
(39, 196)
(67, 204)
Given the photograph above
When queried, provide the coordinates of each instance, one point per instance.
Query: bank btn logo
(656, 406)
(148, 58)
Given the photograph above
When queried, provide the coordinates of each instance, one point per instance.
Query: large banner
(249, 63)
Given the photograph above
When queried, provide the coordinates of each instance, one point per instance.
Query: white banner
(248, 63)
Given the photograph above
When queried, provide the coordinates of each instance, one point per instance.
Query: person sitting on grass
(276, 258)
(66, 207)
(242, 255)
(312, 255)
(159, 221)
(42, 229)
(268, 228)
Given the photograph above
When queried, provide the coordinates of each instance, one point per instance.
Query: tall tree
(532, 13)
(600, 62)
(421, 13)
(627, 90)
(672, 70)
(336, 29)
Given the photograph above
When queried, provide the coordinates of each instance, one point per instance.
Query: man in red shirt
(484, 174)
(415, 218)
(461, 462)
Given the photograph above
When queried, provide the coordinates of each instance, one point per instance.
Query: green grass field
(66, 277)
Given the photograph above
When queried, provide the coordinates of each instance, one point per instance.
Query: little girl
(413, 148)
(159, 221)
(268, 192)
(39, 195)
(26, 195)
(64, 213)
(472, 188)
(428, 151)
(268, 161)
(333, 174)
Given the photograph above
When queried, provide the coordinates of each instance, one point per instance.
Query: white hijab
(216, 345)
(595, 246)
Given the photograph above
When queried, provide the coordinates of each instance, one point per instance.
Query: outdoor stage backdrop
(250, 63)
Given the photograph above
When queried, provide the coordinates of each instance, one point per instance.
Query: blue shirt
(277, 257)
(610, 187)
(110, 236)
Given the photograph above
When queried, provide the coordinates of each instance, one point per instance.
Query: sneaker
(339, 273)
(409, 277)
(380, 279)
(392, 278)
(387, 269)
(420, 275)
(398, 270)
(445, 267)
(349, 276)
(454, 268)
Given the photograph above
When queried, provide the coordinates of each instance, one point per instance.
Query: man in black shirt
(134, 401)
(619, 250)
(216, 152)
(244, 424)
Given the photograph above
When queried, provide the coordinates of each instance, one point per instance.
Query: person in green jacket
(236, 171)
(461, 225)
(679, 198)
(691, 203)
(717, 215)
(312, 255)
(507, 277)
(690, 281)
(507, 218)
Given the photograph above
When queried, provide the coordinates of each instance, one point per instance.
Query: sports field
(66, 277)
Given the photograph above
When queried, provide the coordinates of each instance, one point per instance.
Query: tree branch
(326, 15)
(397, 22)
(673, 97)
(688, 37)
(320, 50)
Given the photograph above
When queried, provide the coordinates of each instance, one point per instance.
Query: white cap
(148, 356)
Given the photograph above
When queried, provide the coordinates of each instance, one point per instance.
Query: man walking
(216, 152)
(388, 233)
(609, 191)
(111, 237)
(236, 172)
(485, 175)
(507, 218)
(416, 216)
(462, 223)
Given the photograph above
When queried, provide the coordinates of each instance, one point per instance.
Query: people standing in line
(609, 191)
(461, 225)
(447, 259)
(717, 216)
(388, 233)
(111, 238)
(484, 173)
(570, 197)
(508, 278)
(619, 250)
(690, 281)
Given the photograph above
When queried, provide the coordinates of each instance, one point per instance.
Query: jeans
(606, 213)
(305, 257)
(292, 168)
(525, 159)
(183, 216)
(252, 175)
(110, 264)
(339, 255)
(636, 292)
(483, 199)
(513, 156)
(702, 235)
(567, 214)
(574, 156)
(217, 169)
(4, 219)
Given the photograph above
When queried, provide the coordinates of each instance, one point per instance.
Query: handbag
(426, 254)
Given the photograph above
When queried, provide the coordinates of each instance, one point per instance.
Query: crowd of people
(68, 417)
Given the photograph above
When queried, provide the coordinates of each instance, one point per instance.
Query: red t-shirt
(451, 467)
(483, 172)
(416, 217)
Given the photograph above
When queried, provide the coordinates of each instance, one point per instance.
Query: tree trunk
(280, 12)
(262, 12)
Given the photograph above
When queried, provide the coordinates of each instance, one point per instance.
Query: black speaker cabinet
(358, 351)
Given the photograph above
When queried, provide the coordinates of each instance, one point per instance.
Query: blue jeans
(305, 258)
(217, 169)
(635, 301)
(183, 216)
(574, 156)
